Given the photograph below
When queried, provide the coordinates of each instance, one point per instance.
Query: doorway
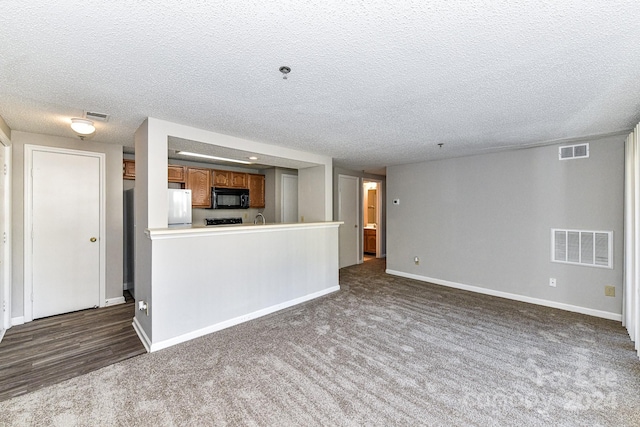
(348, 212)
(371, 219)
(64, 231)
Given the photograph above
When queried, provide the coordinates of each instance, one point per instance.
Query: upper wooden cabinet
(256, 190)
(175, 173)
(239, 180)
(230, 179)
(199, 182)
(220, 178)
(128, 169)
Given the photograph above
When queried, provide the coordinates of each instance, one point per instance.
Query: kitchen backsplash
(247, 215)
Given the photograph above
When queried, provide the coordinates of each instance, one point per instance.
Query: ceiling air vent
(100, 117)
(578, 151)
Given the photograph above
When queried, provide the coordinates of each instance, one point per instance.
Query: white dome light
(82, 126)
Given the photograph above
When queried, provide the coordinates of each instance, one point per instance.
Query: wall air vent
(581, 247)
(578, 151)
(100, 117)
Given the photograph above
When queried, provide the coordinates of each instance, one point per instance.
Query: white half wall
(208, 279)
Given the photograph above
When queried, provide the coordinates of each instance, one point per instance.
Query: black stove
(222, 221)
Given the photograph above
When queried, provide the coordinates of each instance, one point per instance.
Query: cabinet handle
(93, 239)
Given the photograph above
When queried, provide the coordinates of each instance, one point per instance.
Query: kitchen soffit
(264, 161)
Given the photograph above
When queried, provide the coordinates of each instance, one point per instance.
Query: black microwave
(229, 198)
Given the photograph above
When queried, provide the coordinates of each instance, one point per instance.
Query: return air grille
(581, 247)
(569, 152)
(92, 115)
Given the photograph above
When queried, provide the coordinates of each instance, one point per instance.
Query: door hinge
(5, 169)
(4, 237)
(31, 296)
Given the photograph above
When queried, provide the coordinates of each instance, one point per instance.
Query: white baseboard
(146, 342)
(113, 301)
(515, 297)
(15, 321)
(235, 321)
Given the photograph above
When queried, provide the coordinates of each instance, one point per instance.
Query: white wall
(114, 242)
(485, 221)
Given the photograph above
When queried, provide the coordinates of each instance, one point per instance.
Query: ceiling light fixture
(206, 156)
(252, 158)
(285, 70)
(82, 127)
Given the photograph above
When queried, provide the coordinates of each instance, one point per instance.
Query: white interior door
(348, 202)
(289, 189)
(4, 304)
(65, 219)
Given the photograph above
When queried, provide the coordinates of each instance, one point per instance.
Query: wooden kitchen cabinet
(175, 173)
(370, 240)
(230, 179)
(220, 178)
(199, 182)
(239, 180)
(128, 169)
(256, 190)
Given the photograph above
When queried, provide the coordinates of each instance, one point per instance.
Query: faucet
(255, 221)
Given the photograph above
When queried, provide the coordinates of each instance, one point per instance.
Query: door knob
(93, 239)
(355, 226)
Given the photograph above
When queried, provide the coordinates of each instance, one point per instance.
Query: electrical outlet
(416, 260)
(609, 291)
(552, 282)
(143, 306)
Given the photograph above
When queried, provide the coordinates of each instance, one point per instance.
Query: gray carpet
(382, 351)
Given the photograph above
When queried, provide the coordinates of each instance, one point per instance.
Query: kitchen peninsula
(210, 278)
(191, 281)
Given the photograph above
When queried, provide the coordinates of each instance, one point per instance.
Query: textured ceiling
(373, 83)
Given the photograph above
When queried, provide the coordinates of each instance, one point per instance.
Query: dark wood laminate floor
(50, 350)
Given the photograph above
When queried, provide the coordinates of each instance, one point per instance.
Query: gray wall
(114, 236)
(485, 220)
(382, 228)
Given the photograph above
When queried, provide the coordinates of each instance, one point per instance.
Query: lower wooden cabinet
(256, 190)
(370, 240)
(199, 182)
